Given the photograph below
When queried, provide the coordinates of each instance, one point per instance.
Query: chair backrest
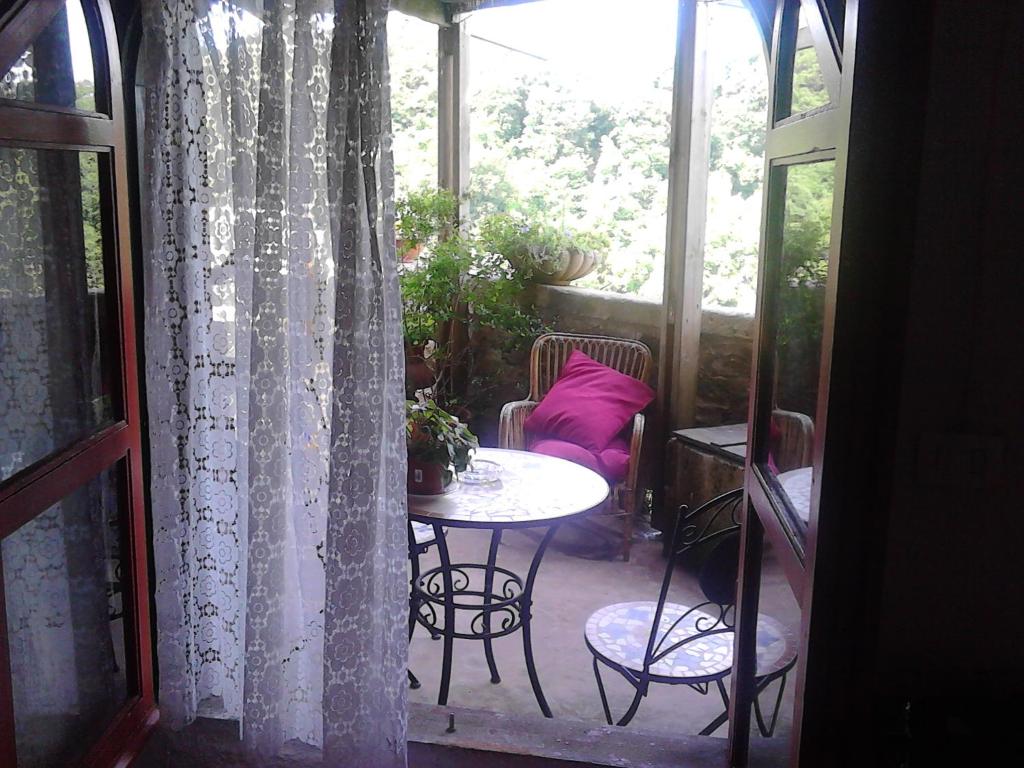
(551, 350)
(793, 440)
(713, 526)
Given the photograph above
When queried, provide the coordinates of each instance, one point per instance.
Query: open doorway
(565, 122)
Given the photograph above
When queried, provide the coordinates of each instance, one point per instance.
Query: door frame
(817, 135)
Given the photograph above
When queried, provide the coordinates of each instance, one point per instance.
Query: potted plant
(542, 252)
(458, 290)
(439, 447)
(422, 217)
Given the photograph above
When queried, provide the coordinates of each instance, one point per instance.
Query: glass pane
(738, 114)
(778, 632)
(65, 627)
(801, 272)
(570, 115)
(55, 347)
(412, 57)
(56, 68)
(808, 87)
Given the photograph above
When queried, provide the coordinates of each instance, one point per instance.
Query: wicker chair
(794, 440)
(549, 354)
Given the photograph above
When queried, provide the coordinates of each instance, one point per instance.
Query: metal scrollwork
(512, 587)
(426, 615)
(433, 583)
(507, 616)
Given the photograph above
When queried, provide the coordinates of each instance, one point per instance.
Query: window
(412, 54)
(75, 674)
(570, 109)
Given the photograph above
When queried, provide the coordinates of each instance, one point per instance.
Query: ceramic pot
(425, 478)
(575, 263)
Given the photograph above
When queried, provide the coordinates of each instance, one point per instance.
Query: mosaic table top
(620, 633)
(797, 485)
(531, 489)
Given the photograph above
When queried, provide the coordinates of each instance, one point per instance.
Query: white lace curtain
(274, 373)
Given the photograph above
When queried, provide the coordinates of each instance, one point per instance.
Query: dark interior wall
(918, 594)
(953, 590)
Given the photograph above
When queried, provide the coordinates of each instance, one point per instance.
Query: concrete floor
(569, 588)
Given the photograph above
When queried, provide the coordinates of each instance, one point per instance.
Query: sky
(596, 44)
(590, 41)
(78, 33)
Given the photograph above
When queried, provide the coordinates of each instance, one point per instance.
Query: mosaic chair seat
(692, 645)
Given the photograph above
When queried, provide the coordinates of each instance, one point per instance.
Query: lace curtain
(274, 369)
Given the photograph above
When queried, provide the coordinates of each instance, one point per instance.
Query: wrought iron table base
(447, 589)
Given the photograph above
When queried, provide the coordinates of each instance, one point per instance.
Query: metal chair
(549, 354)
(421, 538)
(664, 642)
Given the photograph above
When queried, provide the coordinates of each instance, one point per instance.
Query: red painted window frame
(116, 446)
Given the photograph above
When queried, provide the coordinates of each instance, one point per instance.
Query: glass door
(811, 70)
(75, 666)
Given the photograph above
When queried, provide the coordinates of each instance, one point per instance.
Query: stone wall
(726, 352)
(725, 355)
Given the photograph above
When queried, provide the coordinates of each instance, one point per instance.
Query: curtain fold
(275, 373)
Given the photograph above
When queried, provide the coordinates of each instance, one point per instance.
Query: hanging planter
(543, 253)
(570, 264)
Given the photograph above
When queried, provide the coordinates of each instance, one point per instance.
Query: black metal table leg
(414, 600)
(448, 633)
(526, 617)
(492, 556)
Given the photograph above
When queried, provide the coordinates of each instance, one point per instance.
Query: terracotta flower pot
(407, 254)
(425, 478)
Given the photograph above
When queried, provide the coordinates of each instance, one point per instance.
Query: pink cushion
(589, 404)
(612, 463)
(614, 460)
(569, 451)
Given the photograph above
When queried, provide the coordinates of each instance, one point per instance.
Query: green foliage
(459, 283)
(434, 436)
(544, 148)
(737, 138)
(809, 91)
(803, 276)
(412, 54)
(424, 216)
(805, 243)
(92, 227)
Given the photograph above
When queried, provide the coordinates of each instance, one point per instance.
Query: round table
(531, 491)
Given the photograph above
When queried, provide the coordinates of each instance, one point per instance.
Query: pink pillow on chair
(589, 404)
(612, 463)
(560, 449)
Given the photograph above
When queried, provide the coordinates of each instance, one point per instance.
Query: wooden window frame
(119, 445)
